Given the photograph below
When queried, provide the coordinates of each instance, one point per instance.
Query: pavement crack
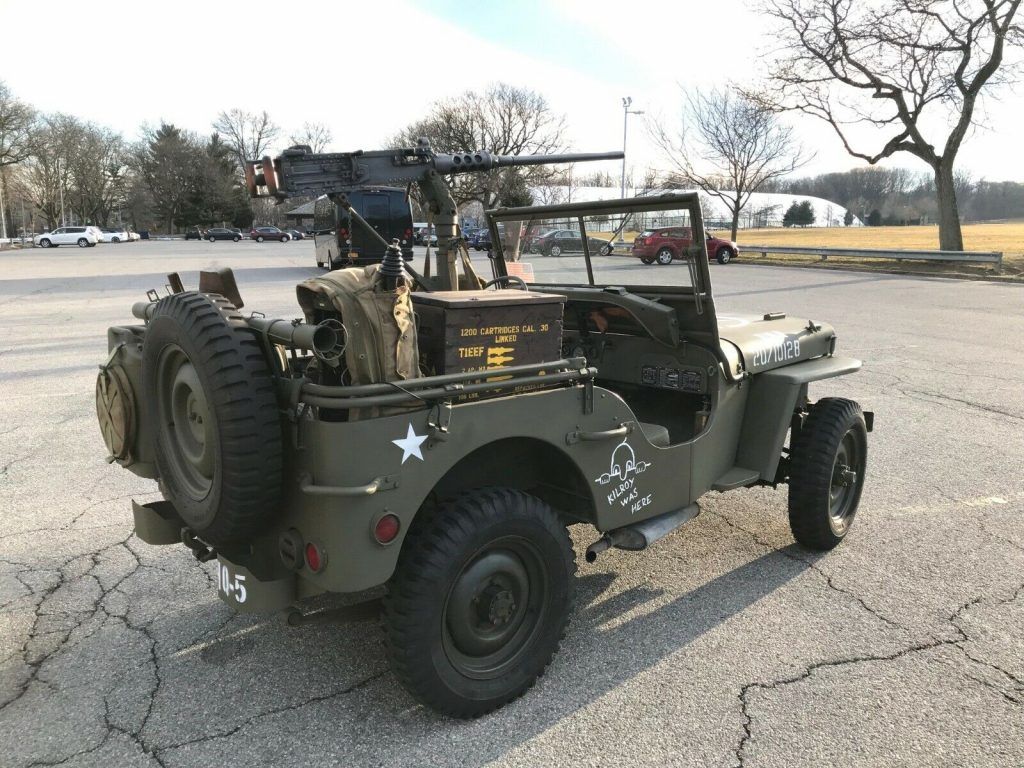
(807, 672)
(828, 579)
(917, 394)
(277, 710)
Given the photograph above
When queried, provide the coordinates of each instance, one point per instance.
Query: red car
(670, 243)
(259, 234)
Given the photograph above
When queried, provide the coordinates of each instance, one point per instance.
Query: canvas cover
(380, 325)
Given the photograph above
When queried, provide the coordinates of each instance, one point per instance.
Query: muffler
(641, 535)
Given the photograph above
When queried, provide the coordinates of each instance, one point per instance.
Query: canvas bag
(380, 325)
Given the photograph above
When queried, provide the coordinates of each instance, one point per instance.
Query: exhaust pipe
(641, 535)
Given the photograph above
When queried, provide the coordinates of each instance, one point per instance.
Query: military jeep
(438, 442)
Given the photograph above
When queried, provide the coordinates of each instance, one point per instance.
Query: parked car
(560, 241)
(133, 235)
(295, 234)
(417, 227)
(222, 233)
(423, 234)
(109, 235)
(83, 237)
(259, 234)
(194, 233)
(668, 244)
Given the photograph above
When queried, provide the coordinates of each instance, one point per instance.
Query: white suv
(83, 237)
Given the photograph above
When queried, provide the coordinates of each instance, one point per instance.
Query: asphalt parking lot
(722, 645)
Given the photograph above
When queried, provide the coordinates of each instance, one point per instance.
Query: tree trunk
(950, 236)
(735, 222)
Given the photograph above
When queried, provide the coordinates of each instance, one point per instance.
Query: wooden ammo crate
(462, 331)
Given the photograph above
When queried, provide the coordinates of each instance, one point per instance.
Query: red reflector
(343, 232)
(313, 558)
(408, 234)
(386, 529)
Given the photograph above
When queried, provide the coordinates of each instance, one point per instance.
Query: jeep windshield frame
(697, 254)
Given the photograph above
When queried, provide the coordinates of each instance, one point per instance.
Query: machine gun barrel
(469, 162)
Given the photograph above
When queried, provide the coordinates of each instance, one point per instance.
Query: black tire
(486, 550)
(555, 250)
(647, 259)
(201, 365)
(823, 496)
(115, 239)
(664, 257)
(723, 255)
(44, 243)
(236, 238)
(83, 243)
(259, 238)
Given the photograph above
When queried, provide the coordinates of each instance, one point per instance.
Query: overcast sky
(369, 67)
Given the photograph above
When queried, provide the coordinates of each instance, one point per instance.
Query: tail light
(386, 528)
(315, 558)
(408, 233)
(343, 232)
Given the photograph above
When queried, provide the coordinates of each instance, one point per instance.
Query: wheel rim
(185, 421)
(847, 476)
(494, 608)
(82, 243)
(724, 255)
(556, 251)
(665, 257)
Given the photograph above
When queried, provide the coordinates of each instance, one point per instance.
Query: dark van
(340, 244)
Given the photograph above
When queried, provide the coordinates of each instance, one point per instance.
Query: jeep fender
(773, 397)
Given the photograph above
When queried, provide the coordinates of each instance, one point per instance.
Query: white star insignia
(410, 444)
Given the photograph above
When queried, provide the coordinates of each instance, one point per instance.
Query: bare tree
(315, 135)
(904, 69)
(503, 119)
(728, 147)
(16, 121)
(249, 134)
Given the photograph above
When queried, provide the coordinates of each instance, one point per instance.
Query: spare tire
(218, 430)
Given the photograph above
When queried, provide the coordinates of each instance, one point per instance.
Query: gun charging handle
(262, 173)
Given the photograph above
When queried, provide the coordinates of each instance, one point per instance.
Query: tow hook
(202, 552)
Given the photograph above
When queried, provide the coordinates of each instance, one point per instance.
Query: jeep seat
(656, 434)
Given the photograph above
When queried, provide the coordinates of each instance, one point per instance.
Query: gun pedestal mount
(299, 171)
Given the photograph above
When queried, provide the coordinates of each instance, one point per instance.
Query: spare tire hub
(185, 411)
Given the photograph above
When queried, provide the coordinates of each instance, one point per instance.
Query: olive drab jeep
(435, 436)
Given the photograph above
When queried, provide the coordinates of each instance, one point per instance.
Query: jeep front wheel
(828, 459)
(479, 601)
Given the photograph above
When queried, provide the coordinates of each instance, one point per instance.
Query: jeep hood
(755, 343)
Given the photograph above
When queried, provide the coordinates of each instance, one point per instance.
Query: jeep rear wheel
(218, 442)
(480, 600)
(828, 459)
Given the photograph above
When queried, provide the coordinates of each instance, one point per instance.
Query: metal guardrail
(974, 257)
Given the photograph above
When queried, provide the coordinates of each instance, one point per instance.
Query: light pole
(626, 112)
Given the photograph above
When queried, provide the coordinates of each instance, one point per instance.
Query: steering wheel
(520, 283)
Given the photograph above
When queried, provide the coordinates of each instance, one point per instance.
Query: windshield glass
(623, 248)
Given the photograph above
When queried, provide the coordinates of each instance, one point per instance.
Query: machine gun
(299, 171)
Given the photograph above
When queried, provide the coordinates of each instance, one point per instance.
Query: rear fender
(773, 397)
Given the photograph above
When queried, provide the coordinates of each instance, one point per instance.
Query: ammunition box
(462, 331)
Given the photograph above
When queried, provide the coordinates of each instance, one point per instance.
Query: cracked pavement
(723, 645)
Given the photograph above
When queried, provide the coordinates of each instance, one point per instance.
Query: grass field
(1007, 237)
